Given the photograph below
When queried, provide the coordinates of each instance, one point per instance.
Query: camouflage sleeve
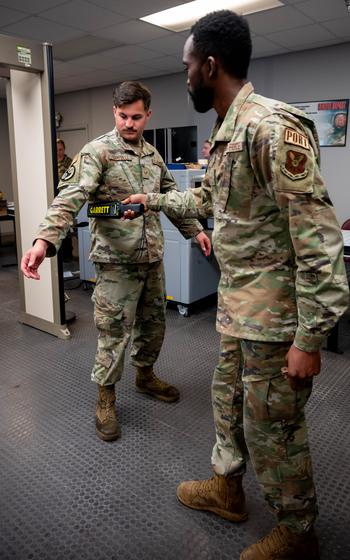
(193, 203)
(284, 156)
(188, 227)
(79, 181)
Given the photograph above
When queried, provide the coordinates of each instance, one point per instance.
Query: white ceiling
(100, 42)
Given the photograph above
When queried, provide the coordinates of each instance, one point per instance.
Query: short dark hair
(59, 141)
(226, 36)
(129, 92)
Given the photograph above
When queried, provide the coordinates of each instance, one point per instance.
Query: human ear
(212, 67)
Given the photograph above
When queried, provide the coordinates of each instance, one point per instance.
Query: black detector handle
(113, 209)
(137, 208)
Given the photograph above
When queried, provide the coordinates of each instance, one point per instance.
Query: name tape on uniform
(234, 147)
(293, 137)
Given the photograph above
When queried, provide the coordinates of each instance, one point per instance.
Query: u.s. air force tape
(112, 209)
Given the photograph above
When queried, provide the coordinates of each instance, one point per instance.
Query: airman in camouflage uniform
(282, 287)
(63, 161)
(129, 296)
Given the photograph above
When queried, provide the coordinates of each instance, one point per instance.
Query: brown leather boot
(107, 427)
(283, 544)
(222, 495)
(147, 382)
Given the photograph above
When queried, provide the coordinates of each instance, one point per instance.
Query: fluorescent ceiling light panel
(182, 17)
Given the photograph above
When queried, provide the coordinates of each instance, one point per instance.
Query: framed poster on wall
(330, 118)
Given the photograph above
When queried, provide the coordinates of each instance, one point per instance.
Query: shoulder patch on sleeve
(71, 175)
(295, 165)
(68, 174)
(294, 137)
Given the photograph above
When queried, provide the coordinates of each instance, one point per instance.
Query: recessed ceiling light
(182, 17)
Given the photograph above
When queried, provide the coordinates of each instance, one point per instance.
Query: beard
(202, 98)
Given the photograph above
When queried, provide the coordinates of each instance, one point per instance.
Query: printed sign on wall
(330, 117)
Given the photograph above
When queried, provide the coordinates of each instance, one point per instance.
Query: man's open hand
(33, 258)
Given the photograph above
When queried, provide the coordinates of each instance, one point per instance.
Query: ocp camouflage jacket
(110, 169)
(276, 236)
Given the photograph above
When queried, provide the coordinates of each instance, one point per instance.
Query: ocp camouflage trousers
(129, 303)
(258, 415)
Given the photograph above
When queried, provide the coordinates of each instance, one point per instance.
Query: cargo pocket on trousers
(281, 400)
(270, 399)
(103, 359)
(285, 403)
(108, 318)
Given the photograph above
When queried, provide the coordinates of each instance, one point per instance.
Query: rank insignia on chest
(294, 166)
(145, 172)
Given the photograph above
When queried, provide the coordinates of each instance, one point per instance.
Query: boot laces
(274, 543)
(109, 409)
(205, 487)
(161, 384)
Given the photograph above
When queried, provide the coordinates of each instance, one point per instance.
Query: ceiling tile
(171, 44)
(82, 46)
(132, 32)
(308, 34)
(339, 27)
(42, 30)
(262, 45)
(8, 16)
(88, 79)
(72, 68)
(129, 53)
(88, 30)
(132, 72)
(279, 19)
(87, 62)
(321, 10)
(32, 6)
(166, 62)
(83, 15)
(136, 8)
(316, 45)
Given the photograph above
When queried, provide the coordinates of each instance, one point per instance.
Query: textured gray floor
(66, 495)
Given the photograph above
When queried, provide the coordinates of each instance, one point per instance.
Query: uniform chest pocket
(151, 175)
(235, 182)
(119, 175)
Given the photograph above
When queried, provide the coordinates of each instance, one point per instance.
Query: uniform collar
(146, 149)
(223, 130)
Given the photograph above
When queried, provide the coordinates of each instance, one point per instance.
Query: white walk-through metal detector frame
(28, 68)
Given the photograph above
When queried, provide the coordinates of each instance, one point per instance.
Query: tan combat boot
(283, 544)
(107, 427)
(147, 382)
(222, 495)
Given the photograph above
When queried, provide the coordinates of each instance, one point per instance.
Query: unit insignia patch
(294, 166)
(68, 174)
